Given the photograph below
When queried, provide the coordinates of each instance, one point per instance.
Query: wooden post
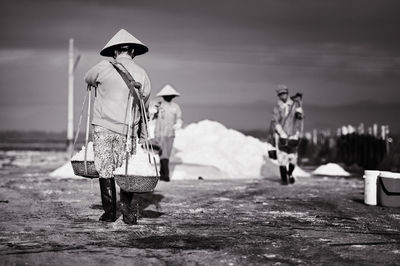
(87, 127)
(70, 118)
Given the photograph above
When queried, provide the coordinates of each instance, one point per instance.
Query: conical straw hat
(168, 90)
(123, 37)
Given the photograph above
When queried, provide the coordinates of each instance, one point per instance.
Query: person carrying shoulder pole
(287, 127)
(168, 118)
(110, 124)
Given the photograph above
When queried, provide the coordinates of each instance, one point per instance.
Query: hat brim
(282, 92)
(139, 49)
(162, 95)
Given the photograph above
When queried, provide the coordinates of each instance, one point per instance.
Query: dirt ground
(317, 221)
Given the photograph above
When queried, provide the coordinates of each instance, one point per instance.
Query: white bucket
(370, 178)
(390, 175)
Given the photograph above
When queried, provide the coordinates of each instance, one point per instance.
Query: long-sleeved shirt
(284, 121)
(111, 101)
(168, 118)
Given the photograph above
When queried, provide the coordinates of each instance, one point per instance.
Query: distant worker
(167, 118)
(286, 130)
(109, 117)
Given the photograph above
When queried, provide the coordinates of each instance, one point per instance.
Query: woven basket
(138, 184)
(79, 169)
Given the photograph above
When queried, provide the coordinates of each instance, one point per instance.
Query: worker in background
(167, 118)
(287, 127)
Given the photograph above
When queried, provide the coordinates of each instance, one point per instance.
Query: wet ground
(318, 221)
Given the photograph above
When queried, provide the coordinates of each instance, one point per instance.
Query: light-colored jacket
(284, 121)
(110, 105)
(168, 118)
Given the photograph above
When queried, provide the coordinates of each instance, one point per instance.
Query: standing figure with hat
(110, 125)
(286, 129)
(168, 118)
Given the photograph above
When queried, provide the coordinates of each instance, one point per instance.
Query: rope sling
(135, 94)
(83, 168)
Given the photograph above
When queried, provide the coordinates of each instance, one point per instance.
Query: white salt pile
(80, 156)
(234, 154)
(65, 171)
(209, 150)
(330, 169)
(139, 164)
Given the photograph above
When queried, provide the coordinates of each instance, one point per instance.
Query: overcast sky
(213, 52)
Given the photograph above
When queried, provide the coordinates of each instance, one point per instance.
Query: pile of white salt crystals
(80, 156)
(139, 164)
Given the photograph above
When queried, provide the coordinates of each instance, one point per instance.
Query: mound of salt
(331, 169)
(64, 171)
(80, 156)
(237, 155)
(207, 149)
(139, 164)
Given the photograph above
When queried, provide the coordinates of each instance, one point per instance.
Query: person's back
(168, 118)
(169, 113)
(285, 130)
(111, 100)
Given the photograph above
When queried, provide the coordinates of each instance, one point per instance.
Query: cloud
(16, 55)
(227, 52)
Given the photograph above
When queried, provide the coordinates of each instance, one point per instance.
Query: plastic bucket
(370, 178)
(272, 154)
(388, 190)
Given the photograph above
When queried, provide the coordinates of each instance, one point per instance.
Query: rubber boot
(283, 172)
(108, 199)
(164, 170)
(290, 173)
(128, 214)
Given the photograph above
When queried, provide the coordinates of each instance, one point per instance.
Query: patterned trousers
(108, 148)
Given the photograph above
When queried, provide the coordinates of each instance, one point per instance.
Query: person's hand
(141, 141)
(93, 85)
(283, 135)
(139, 88)
(178, 124)
(152, 109)
(176, 127)
(137, 85)
(298, 115)
(141, 94)
(295, 136)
